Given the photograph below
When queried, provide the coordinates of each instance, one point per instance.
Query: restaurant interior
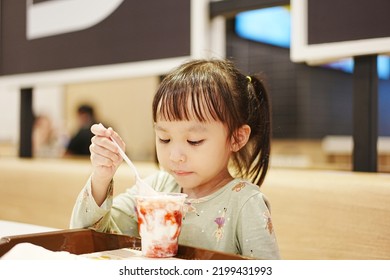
(329, 177)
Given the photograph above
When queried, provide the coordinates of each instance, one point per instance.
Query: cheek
(160, 152)
(215, 154)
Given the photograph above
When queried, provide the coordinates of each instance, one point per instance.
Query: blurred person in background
(79, 143)
(44, 137)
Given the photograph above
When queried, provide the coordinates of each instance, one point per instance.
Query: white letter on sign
(62, 16)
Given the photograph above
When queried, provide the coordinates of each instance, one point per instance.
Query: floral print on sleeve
(268, 222)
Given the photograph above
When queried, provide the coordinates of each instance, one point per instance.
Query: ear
(240, 138)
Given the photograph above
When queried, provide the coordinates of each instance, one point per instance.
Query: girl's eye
(195, 143)
(164, 141)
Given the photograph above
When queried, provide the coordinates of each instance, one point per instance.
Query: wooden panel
(43, 192)
(330, 214)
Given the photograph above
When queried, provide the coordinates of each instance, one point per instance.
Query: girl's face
(195, 153)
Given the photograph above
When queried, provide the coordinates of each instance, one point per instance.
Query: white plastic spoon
(143, 188)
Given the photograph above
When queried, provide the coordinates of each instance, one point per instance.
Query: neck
(208, 187)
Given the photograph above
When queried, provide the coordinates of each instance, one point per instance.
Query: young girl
(213, 130)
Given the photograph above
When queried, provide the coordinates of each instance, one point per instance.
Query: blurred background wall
(310, 103)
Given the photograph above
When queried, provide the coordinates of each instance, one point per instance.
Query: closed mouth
(181, 172)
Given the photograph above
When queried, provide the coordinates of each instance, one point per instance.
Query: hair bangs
(185, 102)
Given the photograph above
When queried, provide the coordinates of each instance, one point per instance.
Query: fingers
(105, 157)
(100, 130)
(117, 138)
(103, 151)
(102, 133)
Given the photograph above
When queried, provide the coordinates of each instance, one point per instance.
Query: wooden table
(84, 241)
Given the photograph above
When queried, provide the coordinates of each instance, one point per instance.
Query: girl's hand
(105, 158)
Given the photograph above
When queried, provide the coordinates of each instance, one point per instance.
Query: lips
(181, 172)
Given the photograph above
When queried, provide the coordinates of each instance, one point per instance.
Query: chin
(186, 184)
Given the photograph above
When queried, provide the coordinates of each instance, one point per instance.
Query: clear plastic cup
(159, 222)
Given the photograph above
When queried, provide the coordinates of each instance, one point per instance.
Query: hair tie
(249, 79)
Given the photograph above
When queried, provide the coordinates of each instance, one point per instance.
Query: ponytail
(253, 159)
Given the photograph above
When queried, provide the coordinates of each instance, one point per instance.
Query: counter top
(8, 228)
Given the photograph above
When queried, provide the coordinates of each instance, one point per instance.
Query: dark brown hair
(215, 89)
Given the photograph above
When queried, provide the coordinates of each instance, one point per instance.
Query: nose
(176, 155)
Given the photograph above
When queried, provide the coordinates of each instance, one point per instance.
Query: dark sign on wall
(324, 31)
(347, 20)
(52, 35)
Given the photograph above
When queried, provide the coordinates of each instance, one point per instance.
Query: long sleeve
(112, 216)
(255, 232)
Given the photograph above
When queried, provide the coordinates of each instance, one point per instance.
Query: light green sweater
(235, 219)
